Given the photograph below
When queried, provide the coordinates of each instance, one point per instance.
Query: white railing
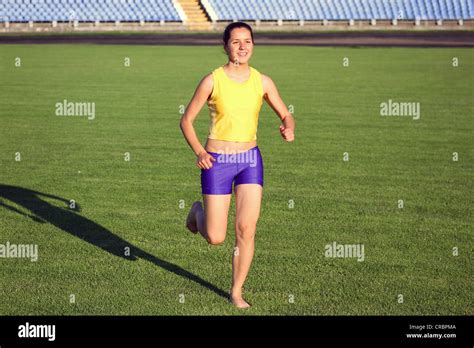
(180, 10)
(210, 10)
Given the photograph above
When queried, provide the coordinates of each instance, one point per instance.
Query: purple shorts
(239, 168)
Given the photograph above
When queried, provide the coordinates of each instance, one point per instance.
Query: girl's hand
(287, 133)
(204, 160)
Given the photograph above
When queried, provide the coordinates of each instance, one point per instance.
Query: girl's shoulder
(262, 75)
(208, 79)
(266, 82)
(206, 84)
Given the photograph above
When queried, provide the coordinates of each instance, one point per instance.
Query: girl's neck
(241, 68)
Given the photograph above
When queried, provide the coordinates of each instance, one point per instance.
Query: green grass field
(136, 203)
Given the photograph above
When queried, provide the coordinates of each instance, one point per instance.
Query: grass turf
(138, 203)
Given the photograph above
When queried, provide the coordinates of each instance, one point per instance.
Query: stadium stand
(341, 9)
(87, 10)
(199, 14)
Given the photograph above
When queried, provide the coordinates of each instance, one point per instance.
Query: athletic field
(398, 188)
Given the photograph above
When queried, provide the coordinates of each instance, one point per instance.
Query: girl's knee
(245, 230)
(215, 238)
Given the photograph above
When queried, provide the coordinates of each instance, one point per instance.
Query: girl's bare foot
(191, 219)
(237, 300)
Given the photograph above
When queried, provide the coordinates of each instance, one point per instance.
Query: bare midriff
(223, 146)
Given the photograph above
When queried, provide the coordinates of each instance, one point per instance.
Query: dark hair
(233, 26)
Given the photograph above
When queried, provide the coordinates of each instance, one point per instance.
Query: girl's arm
(273, 99)
(203, 91)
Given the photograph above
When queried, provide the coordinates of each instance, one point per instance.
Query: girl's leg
(248, 198)
(211, 221)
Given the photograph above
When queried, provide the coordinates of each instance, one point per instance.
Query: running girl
(234, 93)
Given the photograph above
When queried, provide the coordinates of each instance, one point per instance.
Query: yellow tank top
(234, 107)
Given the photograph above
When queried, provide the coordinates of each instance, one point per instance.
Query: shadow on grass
(71, 222)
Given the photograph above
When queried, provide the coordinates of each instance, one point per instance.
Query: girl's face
(239, 48)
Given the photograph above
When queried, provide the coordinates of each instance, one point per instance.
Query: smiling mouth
(242, 54)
